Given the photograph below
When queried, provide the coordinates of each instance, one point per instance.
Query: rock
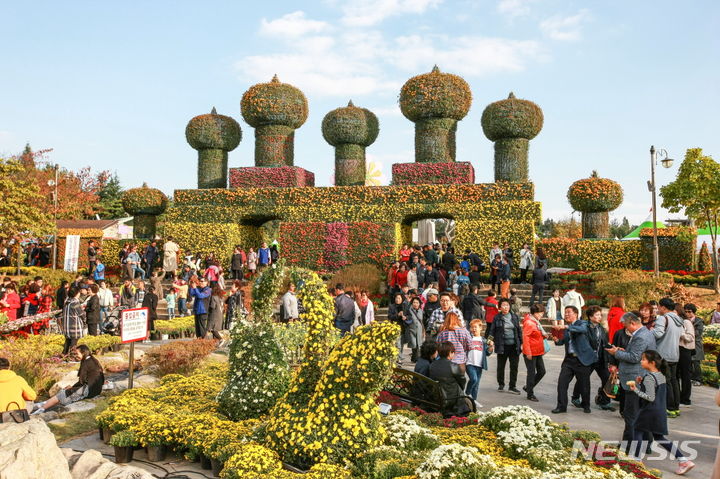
(79, 406)
(92, 465)
(142, 381)
(68, 379)
(71, 455)
(48, 416)
(29, 451)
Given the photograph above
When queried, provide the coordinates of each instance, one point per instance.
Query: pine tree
(110, 196)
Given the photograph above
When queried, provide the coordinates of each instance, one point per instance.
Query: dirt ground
(704, 298)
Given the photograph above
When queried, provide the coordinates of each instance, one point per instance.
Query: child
(652, 417)
(170, 298)
(99, 272)
(476, 358)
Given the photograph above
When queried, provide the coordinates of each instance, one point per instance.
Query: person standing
(216, 312)
(61, 293)
(92, 256)
(10, 302)
(92, 310)
(628, 360)
(237, 262)
(687, 350)
(182, 294)
(234, 303)
(495, 266)
(437, 318)
(507, 338)
(452, 330)
(414, 329)
(156, 281)
(491, 310)
(290, 305)
(149, 255)
(170, 263)
(555, 308)
(73, 320)
(573, 298)
(617, 309)
(526, 262)
(539, 280)
(430, 276)
(533, 348)
(580, 355)
(600, 366)
(495, 251)
(667, 331)
(504, 277)
(171, 300)
(139, 294)
(252, 261)
(134, 260)
(344, 310)
(127, 295)
(699, 355)
(150, 301)
(472, 305)
(477, 355)
(200, 292)
(264, 258)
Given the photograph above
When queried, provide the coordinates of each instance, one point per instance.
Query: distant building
(112, 229)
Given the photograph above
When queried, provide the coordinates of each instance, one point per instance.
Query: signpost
(133, 328)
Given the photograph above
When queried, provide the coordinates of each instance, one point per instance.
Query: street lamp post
(54, 183)
(666, 163)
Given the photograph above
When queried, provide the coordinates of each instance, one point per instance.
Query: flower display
(511, 124)
(677, 247)
(275, 110)
(436, 173)
(350, 130)
(404, 433)
(251, 459)
(520, 428)
(453, 461)
(145, 204)
(213, 136)
(271, 176)
(595, 197)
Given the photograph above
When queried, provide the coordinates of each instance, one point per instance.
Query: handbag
(16, 415)
(612, 386)
(546, 345)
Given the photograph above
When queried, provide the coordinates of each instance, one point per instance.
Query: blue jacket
(629, 360)
(99, 272)
(264, 256)
(583, 343)
(200, 294)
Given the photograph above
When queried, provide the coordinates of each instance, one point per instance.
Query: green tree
(545, 229)
(110, 196)
(21, 213)
(620, 229)
(696, 190)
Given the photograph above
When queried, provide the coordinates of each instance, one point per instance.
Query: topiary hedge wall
(593, 255)
(216, 219)
(676, 247)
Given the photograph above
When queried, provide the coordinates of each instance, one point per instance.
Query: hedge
(676, 247)
(86, 235)
(271, 176)
(593, 255)
(436, 173)
(350, 130)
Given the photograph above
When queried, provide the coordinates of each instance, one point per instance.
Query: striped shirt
(461, 339)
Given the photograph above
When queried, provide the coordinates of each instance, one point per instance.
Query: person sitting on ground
(14, 390)
(451, 379)
(89, 383)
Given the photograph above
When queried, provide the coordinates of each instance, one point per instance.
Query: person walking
(617, 309)
(437, 318)
(264, 259)
(533, 348)
(477, 355)
(200, 292)
(344, 310)
(134, 261)
(507, 338)
(580, 355)
(600, 366)
(127, 295)
(216, 313)
(629, 368)
(237, 262)
(289, 305)
(651, 419)
(234, 303)
(150, 254)
(539, 280)
(472, 305)
(73, 320)
(526, 262)
(667, 331)
(687, 350)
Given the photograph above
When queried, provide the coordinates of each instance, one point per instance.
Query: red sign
(134, 325)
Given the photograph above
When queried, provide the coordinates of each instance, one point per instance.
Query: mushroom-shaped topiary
(595, 197)
(213, 136)
(350, 130)
(275, 110)
(511, 124)
(435, 101)
(144, 204)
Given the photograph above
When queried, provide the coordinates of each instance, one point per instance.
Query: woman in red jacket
(405, 254)
(533, 348)
(10, 303)
(401, 276)
(617, 309)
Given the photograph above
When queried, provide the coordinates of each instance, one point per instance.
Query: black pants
(237, 274)
(70, 343)
(573, 368)
(673, 387)
(93, 329)
(91, 267)
(514, 359)
(685, 374)
(537, 289)
(535, 373)
(604, 375)
(696, 370)
(523, 275)
(630, 412)
(201, 325)
(621, 400)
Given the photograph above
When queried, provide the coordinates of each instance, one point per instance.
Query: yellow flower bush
(252, 458)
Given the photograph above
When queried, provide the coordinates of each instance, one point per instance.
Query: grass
(78, 423)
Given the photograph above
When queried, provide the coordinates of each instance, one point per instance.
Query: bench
(421, 391)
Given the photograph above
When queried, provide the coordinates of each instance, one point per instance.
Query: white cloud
(363, 13)
(514, 8)
(565, 28)
(292, 25)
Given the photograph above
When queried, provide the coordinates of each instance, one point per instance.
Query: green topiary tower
(435, 101)
(213, 136)
(595, 197)
(275, 110)
(350, 130)
(144, 204)
(511, 124)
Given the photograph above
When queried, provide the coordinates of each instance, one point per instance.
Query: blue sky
(113, 84)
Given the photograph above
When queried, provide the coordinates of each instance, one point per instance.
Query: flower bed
(435, 173)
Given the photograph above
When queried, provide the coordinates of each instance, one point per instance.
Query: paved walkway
(698, 422)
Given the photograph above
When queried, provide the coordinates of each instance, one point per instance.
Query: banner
(72, 252)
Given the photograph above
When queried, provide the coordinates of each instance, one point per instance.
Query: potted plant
(123, 442)
(156, 452)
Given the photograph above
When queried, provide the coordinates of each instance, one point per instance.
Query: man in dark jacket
(431, 276)
(431, 255)
(580, 355)
(594, 317)
(150, 301)
(149, 255)
(539, 280)
(89, 383)
(507, 337)
(451, 379)
(448, 260)
(472, 305)
(344, 310)
(92, 311)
